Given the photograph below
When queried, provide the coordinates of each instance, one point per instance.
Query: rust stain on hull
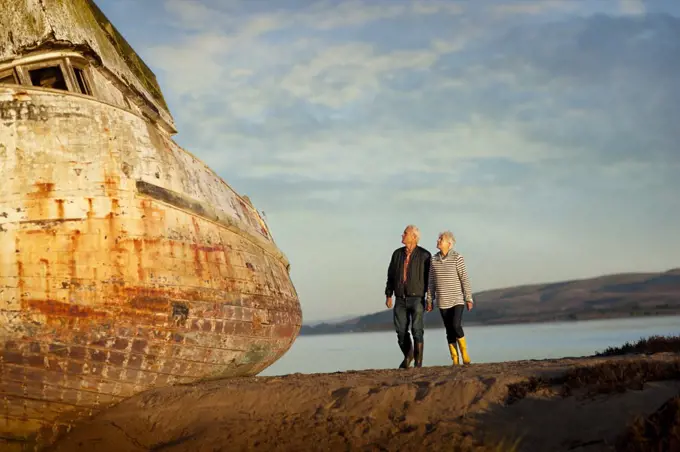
(113, 281)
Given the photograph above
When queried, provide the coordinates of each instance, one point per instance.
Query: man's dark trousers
(409, 310)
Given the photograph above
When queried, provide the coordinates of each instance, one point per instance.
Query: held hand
(388, 303)
(469, 305)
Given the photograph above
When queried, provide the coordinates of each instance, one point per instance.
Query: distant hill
(611, 296)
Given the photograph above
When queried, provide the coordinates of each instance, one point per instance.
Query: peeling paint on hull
(125, 264)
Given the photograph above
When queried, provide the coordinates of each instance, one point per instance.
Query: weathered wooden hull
(125, 264)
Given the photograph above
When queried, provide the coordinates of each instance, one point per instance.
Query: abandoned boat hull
(125, 264)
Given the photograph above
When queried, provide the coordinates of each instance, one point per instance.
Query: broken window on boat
(8, 78)
(48, 77)
(81, 80)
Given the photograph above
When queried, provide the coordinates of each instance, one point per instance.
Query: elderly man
(450, 287)
(407, 278)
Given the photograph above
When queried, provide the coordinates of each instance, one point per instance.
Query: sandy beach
(571, 404)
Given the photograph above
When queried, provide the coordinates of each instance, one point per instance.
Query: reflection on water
(357, 351)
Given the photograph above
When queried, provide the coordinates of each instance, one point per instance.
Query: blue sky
(545, 134)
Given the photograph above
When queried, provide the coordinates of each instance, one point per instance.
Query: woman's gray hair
(448, 236)
(415, 230)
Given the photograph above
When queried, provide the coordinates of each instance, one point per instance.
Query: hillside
(610, 296)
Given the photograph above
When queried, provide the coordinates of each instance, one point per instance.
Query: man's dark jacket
(418, 273)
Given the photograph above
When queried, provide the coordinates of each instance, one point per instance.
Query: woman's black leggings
(452, 318)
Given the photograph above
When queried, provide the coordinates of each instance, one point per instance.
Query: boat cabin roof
(79, 33)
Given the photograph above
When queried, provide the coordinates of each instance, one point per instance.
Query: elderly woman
(450, 287)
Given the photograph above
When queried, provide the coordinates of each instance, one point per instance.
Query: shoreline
(390, 328)
(586, 403)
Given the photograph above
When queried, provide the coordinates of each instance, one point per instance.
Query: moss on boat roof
(134, 61)
(31, 24)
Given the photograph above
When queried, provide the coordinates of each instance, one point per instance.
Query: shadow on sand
(625, 403)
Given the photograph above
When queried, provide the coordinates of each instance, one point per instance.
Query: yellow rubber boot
(454, 353)
(463, 350)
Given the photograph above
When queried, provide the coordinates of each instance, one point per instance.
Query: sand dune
(582, 404)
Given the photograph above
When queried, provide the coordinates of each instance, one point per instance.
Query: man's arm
(428, 269)
(389, 286)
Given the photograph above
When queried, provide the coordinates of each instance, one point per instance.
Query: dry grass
(469, 444)
(518, 391)
(658, 432)
(609, 377)
(650, 345)
(602, 378)
(506, 445)
(612, 377)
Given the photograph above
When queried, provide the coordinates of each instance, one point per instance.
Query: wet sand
(580, 404)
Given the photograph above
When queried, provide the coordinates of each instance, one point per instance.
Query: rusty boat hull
(125, 264)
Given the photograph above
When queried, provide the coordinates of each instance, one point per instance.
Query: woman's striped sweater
(449, 284)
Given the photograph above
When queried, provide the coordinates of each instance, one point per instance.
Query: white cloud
(437, 6)
(533, 7)
(632, 7)
(194, 65)
(226, 50)
(193, 14)
(241, 72)
(376, 154)
(488, 195)
(443, 46)
(348, 73)
(322, 15)
(353, 13)
(348, 13)
(261, 24)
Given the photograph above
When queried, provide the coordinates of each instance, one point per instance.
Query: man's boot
(463, 350)
(454, 353)
(419, 354)
(408, 356)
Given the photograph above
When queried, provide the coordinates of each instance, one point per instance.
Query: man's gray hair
(415, 230)
(448, 236)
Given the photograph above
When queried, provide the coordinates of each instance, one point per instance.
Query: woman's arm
(464, 280)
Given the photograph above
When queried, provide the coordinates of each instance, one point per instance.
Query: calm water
(357, 351)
